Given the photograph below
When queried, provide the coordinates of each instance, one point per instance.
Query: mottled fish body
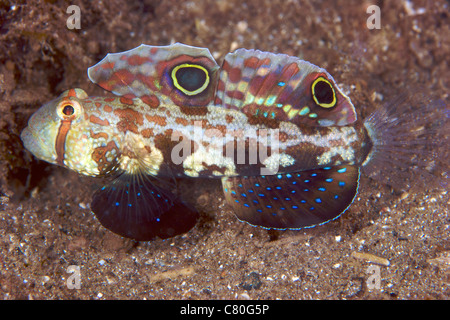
(284, 139)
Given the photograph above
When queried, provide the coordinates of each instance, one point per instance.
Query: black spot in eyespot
(191, 78)
(68, 110)
(323, 92)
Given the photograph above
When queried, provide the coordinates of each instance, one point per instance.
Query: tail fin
(410, 143)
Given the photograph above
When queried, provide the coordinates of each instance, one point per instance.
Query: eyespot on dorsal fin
(134, 207)
(279, 87)
(186, 75)
(292, 200)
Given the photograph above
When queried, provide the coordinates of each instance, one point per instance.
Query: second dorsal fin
(268, 86)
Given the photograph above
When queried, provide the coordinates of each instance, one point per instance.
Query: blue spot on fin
(279, 203)
(135, 207)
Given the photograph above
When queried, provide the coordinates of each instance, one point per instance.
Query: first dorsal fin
(292, 200)
(184, 74)
(271, 86)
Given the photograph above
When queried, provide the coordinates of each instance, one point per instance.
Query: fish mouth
(37, 144)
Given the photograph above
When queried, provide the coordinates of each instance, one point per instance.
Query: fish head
(58, 133)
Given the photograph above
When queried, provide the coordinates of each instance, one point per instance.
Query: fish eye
(191, 79)
(323, 93)
(68, 110)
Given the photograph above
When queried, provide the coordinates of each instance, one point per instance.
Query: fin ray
(410, 137)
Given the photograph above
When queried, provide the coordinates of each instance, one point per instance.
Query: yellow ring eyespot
(191, 79)
(323, 93)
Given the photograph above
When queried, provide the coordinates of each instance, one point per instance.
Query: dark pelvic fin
(410, 138)
(292, 200)
(134, 207)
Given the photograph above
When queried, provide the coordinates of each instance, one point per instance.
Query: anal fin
(292, 200)
(134, 207)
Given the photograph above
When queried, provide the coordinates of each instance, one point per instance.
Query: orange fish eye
(68, 110)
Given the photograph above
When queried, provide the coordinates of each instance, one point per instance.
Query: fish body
(112, 133)
(278, 131)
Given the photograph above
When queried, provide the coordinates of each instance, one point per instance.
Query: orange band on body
(61, 141)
